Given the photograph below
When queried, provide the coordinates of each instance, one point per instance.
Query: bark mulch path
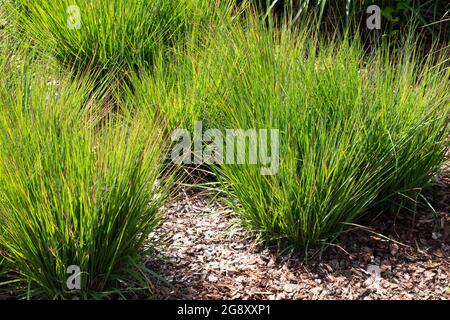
(207, 257)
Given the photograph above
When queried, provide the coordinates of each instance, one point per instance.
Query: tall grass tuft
(74, 190)
(108, 36)
(356, 131)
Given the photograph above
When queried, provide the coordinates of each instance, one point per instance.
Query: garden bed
(315, 153)
(208, 257)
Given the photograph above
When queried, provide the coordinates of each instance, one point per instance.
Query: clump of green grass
(110, 36)
(74, 190)
(356, 131)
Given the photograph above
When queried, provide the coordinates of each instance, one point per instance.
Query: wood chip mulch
(207, 257)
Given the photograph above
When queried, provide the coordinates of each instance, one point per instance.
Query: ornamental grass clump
(356, 131)
(77, 190)
(108, 36)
